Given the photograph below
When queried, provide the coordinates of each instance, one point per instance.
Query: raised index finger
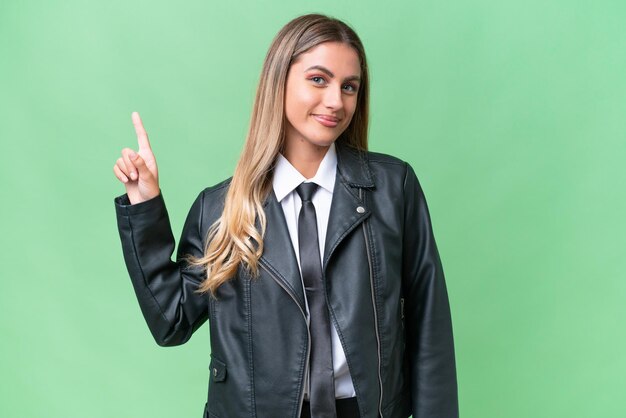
(142, 136)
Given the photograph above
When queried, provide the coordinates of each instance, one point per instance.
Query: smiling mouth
(327, 121)
(328, 118)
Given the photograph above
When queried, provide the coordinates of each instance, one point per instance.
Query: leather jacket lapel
(346, 213)
(347, 210)
(279, 252)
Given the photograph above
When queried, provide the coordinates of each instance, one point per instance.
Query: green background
(511, 111)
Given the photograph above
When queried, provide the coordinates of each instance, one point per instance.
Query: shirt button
(360, 209)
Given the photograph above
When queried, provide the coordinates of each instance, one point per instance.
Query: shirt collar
(286, 178)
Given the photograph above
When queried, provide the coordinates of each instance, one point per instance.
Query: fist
(137, 170)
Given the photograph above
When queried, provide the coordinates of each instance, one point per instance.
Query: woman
(315, 263)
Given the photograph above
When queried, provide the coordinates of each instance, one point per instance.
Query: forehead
(339, 57)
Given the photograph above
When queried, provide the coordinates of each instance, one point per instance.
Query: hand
(138, 170)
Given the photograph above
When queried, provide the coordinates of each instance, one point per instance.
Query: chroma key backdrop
(512, 112)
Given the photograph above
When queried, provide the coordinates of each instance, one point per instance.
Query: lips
(327, 120)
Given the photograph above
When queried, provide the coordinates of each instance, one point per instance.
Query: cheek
(305, 101)
(296, 110)
(300, 99)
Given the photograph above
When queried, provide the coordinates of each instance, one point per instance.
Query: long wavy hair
(235, 239)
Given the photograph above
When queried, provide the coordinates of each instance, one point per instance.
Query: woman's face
(321, 94)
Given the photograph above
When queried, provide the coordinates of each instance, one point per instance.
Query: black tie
(322, 389)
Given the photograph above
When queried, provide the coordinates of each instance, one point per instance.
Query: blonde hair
(234, 239)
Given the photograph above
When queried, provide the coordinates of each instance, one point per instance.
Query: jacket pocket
(218, 389)
(218, 369)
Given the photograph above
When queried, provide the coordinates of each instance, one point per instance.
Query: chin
(323, 142)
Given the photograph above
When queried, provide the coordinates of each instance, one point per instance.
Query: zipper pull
(402, 307)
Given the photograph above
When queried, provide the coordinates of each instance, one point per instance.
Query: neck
(305, 158)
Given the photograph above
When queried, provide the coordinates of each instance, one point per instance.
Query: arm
(164, 289)
(430, 343)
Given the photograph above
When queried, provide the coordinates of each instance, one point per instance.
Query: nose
(333, 98)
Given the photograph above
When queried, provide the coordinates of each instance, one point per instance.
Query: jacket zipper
(308, 349)
(369, 262)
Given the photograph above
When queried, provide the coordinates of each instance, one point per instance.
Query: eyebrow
(330, 73)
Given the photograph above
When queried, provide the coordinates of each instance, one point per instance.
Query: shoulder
(392, 174)
(387, 165)
(395, 178)
(210, 201)
(388, 161)
(382, 158)
(366, 168)
(216, 190)
(371, 158)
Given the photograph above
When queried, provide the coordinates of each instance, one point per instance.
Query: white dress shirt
(286, 179)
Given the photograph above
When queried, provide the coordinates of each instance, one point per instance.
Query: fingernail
(132, 155)
(133, 175)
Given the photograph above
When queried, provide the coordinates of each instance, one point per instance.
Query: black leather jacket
(384, 283)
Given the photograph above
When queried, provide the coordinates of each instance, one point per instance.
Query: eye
(317, 79)
(350, 88)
